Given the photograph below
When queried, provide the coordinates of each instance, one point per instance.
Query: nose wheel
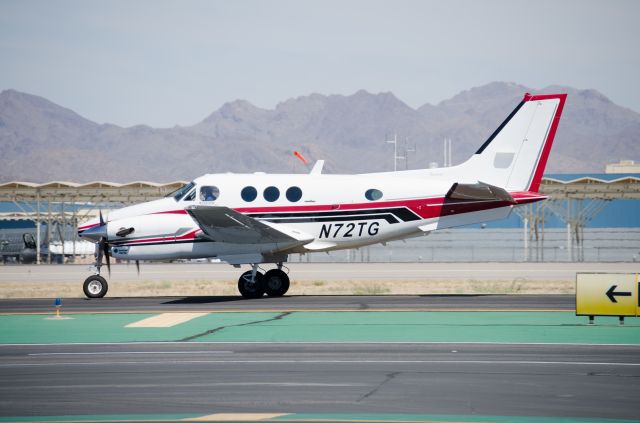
(95, 286)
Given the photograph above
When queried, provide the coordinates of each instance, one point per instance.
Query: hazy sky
(164, 63)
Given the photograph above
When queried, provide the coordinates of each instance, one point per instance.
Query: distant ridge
(42, 141)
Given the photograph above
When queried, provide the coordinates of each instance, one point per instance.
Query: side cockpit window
(182, 191)
(191, 196)
(209, 193)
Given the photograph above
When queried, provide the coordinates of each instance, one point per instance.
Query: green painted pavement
(507, 327)
(440, 418)
(95, 328)
(390, 418)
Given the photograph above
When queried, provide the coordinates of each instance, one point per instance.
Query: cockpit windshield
(181, 192)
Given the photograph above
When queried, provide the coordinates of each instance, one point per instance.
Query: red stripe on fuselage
(180, 211)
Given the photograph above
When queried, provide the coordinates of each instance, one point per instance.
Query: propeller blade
(138, 267)
(107, 256)
(101, 218)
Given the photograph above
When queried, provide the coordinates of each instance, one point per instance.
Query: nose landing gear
(95, 286)
(254, 284)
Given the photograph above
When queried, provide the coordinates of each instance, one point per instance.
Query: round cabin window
(373, 194)
(248, 194)
(271, 194)
(294, 194)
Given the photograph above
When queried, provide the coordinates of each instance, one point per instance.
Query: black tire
(95, 286)
(276, 283)
(248, 289)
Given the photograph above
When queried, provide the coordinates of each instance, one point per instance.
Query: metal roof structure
(557, 186)
(91, 192)
(606, 186)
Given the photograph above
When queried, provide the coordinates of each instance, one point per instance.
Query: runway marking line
(165, 320)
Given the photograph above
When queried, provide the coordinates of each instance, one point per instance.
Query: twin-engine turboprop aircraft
(262, 218)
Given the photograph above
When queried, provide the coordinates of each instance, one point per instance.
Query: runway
(317, 379)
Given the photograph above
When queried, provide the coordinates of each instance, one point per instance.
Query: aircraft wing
(478, 192)
(222, 224)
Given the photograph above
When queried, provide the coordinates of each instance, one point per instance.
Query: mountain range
(42, 141)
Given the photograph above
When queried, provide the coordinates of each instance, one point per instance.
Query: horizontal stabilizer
(478, 192)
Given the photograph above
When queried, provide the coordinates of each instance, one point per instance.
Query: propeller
(103, 247)
(138, 267)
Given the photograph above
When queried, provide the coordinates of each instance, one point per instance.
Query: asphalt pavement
(296, 303)
(449, 379)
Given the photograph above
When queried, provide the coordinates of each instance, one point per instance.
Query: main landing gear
(254, 284)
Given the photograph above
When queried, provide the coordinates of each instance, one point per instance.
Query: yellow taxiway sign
(607, 294)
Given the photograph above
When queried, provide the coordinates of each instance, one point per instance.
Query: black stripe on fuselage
(388, 217)
(402, 213)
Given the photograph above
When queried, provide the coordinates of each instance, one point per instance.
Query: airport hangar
(575, 199)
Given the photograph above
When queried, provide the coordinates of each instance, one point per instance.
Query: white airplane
(262, 218)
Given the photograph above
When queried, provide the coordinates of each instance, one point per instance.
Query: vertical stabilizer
(515, 155)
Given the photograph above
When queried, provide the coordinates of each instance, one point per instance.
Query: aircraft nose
(95, 233)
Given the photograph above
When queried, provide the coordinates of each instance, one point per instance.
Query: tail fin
(515, 155)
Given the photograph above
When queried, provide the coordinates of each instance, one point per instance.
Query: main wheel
(250, 289)
(95, 286)
(276, 283)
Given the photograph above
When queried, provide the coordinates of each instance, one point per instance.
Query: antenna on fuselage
(317, 167)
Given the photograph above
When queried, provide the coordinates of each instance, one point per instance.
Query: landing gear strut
(254, 284)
